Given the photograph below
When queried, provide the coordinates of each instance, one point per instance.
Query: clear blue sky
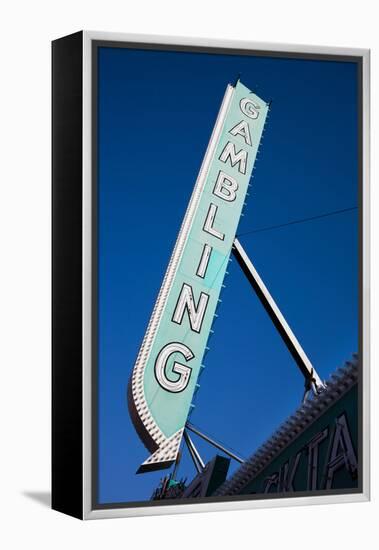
(156, 113)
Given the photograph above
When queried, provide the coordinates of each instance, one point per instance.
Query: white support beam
(312, 379)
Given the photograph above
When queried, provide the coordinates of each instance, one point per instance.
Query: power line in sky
(311, 218)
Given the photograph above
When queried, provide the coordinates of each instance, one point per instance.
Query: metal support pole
(312, 379)
(177, 462)
(196, 431)
(196, 458)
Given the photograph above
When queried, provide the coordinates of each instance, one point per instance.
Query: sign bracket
(312, 380)
(210, 440)
(195, 455)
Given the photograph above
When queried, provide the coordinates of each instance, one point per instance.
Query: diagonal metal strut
(196, 458)
(213, 442)
(312, 379)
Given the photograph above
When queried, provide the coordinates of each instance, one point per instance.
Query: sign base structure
(158, 146)
(203, 485)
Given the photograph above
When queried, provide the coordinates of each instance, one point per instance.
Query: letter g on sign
(249, 108)
(183, 371)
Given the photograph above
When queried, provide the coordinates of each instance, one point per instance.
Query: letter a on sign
(168, 364)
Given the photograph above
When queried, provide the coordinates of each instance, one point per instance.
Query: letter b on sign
(226, 187)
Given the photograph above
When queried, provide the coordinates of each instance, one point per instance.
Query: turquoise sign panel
(166, 372)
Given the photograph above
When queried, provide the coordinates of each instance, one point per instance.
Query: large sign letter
(195, 313)
(184, 372)
(342, 452)
(242, 129)
(235, 158)
(209, 221)
(313, 446)
(225, 187)
(249, 108)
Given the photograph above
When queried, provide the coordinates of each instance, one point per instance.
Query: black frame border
(67, 291)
